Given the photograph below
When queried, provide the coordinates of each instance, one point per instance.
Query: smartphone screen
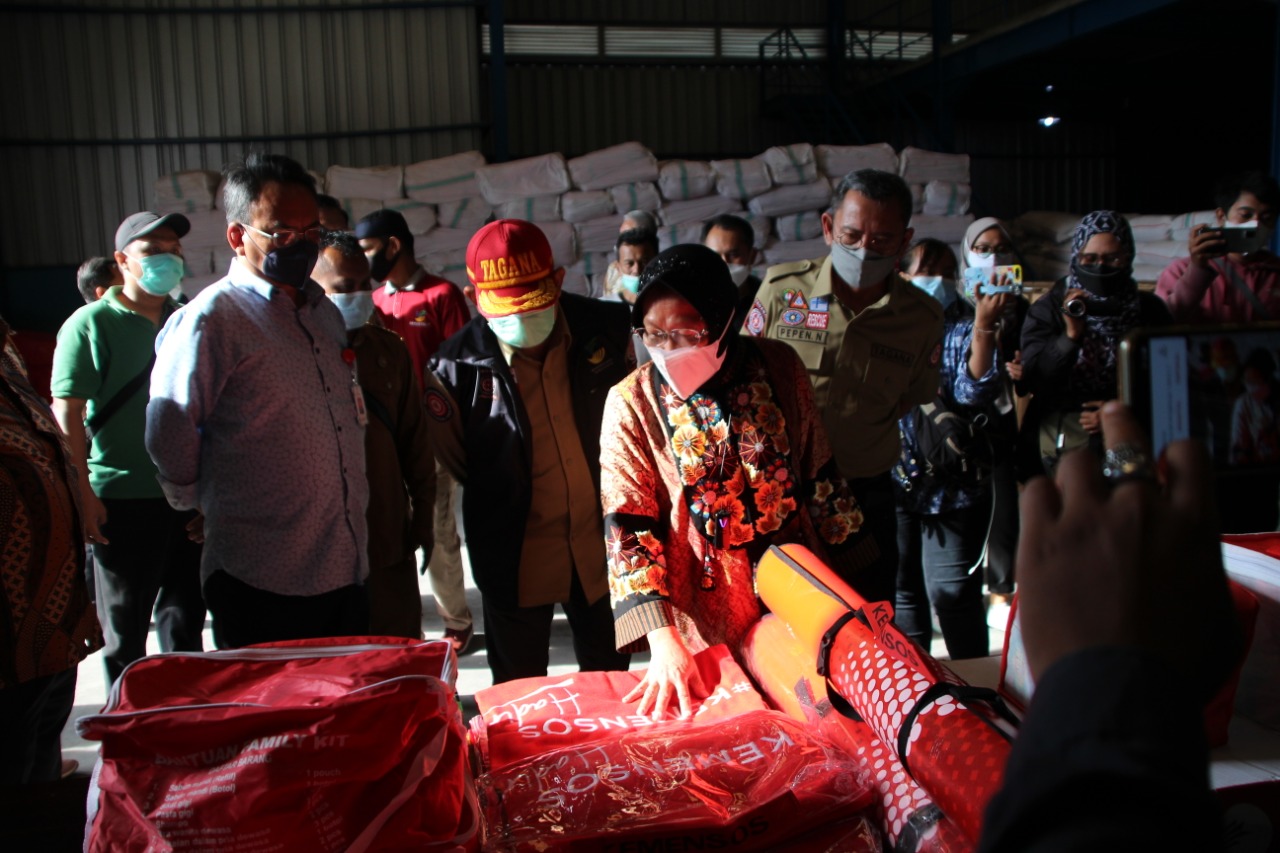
(1220, 385)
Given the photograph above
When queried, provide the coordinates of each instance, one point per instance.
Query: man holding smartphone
(1230, 276)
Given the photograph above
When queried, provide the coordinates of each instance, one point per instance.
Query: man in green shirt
(143, 555)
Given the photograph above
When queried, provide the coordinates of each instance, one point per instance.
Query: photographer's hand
(1075, 325)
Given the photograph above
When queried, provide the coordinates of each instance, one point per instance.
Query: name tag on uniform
(897, 356)
(794, 333)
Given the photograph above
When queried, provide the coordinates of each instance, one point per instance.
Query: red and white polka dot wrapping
(787, 675)
(953, 750)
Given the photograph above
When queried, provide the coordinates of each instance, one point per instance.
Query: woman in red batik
(709, 454)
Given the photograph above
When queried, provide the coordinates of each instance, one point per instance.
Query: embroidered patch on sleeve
(817, 320)
(755, 319)
(793, 317)
(438, 406)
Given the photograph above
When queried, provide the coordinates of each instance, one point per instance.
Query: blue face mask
(524, 330)
(941, 289)
(356, 307)
(631, 283)
(160, 273)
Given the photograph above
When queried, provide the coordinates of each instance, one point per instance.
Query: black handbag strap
(94, 425)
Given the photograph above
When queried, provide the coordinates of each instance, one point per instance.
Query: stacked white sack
(674, 235)
(466, 214)
(451, 265)
(793, 199)
(451, 178)
(917, 197)
(762, 226)
(563, 240)
(1180, 227)
(741, 179)
(836, 161)
(784, 252)
(791, 164)
(698, 210)
(581, 205)
(528, 178)
(641, 196)
(186, 192)
(586, 277)
(441, 240)
(420, 217)
(1150, 228)
(208, 232)
(384, 183)
(800, 226)
(681, 180)
(1160, 253)
(627, 163)
(918, 166)
(944, 198)
(948, 229)
(598, 235)
(541, 209)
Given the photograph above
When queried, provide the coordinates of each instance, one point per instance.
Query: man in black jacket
(518, 396)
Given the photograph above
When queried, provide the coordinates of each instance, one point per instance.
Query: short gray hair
(877, 186)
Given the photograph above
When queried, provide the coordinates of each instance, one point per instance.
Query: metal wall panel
(99, 105)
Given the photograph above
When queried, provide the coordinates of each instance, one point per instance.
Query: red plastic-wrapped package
(947, 738)
(530, 716)
(748, 783)
(787, 675)
(313, 747)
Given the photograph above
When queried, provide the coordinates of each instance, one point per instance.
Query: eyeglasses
(986, 249)
(289, 236)
(880, 244)
(1092, 259)
(679, 337)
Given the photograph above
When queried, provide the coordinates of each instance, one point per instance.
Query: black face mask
(1100, 279)
(291, 264)
(380, 266)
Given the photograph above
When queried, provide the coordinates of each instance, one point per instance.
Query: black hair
(877, 186)
(346, 244)
(731, 223)
(931, 252)
(328, 202)
(94, 273)
(638, 237)
(1259, 184)
(245, 180)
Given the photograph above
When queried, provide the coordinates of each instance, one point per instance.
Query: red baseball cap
(510, 263)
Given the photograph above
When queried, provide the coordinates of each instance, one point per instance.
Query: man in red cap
(518, 397)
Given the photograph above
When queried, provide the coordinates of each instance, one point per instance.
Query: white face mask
(989, 260)
(688, 368)
(739, 273)
(356, 307)
(858, 268)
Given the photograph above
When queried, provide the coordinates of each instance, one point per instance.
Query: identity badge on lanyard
(357, 393)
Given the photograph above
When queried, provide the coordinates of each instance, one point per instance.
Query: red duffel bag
(330, 746)
(529, 716)
(748, 783)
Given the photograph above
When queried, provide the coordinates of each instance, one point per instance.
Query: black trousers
(875, 495)
(244, 615)
(32, 715)
(518, 642)
(148, 564)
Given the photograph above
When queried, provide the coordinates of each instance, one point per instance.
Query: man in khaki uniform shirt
(518, 396)
(870, 340)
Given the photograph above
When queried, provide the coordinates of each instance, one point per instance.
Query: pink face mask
(687, 368)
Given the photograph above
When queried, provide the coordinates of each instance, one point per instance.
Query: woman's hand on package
(670, 677)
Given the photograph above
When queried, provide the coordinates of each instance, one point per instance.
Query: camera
(1076, 307)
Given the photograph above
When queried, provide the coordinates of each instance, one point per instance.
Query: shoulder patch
(437, 404)
(755, 319)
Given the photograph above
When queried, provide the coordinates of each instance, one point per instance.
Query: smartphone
(1217, 384)
(1241, 241)
(978, 280)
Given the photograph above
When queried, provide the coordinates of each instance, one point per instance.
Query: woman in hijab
(987, 245)
(1071, 338)
(709, 454)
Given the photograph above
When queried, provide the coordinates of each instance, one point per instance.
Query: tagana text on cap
(510, 263)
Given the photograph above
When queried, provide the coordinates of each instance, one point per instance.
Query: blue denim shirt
(252, 420)
(959, 391)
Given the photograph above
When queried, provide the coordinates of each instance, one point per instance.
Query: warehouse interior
(1152, 100)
